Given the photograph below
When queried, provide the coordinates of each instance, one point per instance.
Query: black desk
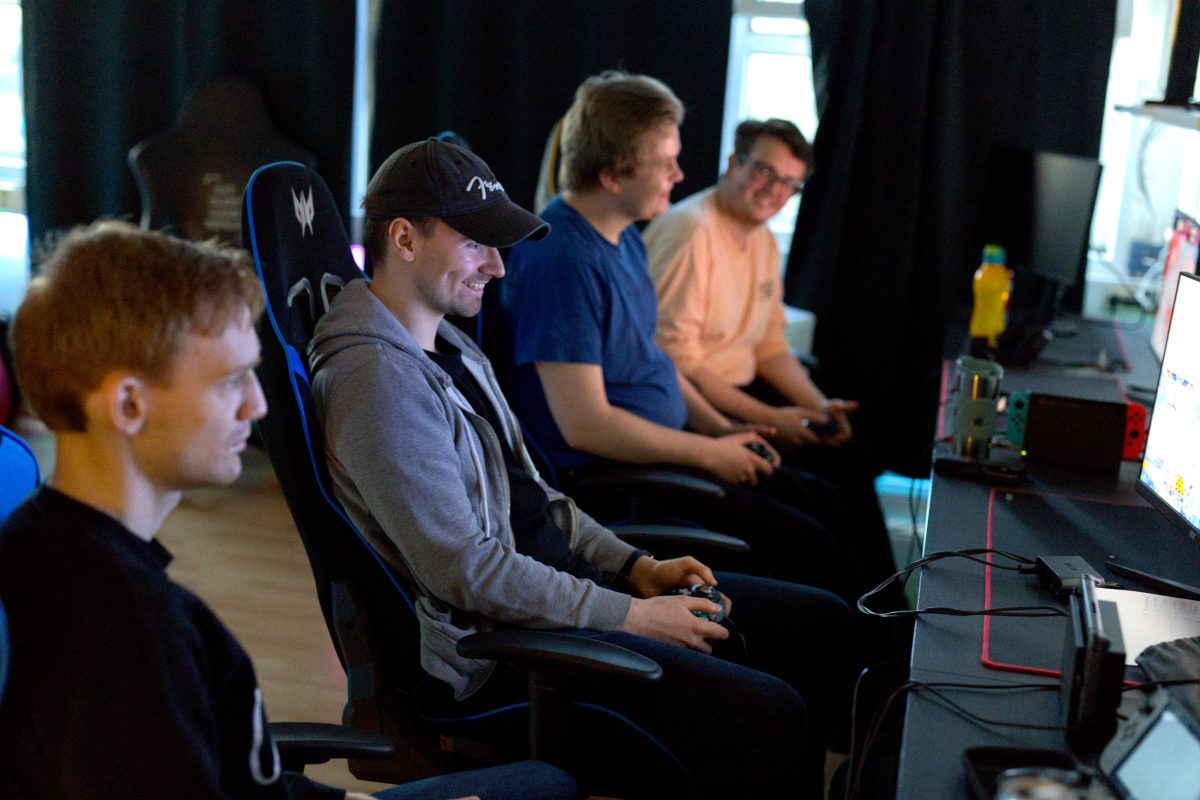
(1056, 512)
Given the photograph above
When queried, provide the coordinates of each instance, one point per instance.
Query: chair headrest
(292, 228)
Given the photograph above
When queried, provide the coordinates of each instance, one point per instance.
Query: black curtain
(101, 75)
(915, 96)
(501, 73)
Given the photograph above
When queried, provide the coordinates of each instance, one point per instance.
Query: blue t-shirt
(575, 297)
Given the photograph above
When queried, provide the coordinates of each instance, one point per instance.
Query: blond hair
(110, 296)
(601, 129)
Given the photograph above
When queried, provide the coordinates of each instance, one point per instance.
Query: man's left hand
(650, 577)
(839, 411)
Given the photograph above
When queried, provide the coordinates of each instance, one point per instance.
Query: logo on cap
(483, 186)
(303, 206)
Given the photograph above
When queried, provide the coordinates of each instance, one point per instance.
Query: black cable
(971, 554)
(853, 785)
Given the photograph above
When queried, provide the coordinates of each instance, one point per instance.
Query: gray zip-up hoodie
(423, 477)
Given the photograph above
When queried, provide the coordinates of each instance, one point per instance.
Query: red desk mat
(1078, 513)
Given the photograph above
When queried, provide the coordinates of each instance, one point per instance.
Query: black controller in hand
(763, 451)
(829, 427)
(705, 591)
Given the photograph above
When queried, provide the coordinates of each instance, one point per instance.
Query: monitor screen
(1181, 257)
(1171, 465)
(1038, 205)
(1165, 764)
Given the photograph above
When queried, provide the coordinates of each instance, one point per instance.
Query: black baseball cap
(437, 179)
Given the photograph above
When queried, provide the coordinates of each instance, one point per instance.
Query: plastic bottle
(992, 286)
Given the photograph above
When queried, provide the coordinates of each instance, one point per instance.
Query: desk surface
(1056, 512)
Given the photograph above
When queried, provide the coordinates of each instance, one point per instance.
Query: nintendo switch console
(1091, 434)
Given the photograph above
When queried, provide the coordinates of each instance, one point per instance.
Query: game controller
(1017, 415)
(708, 593)
(1135, 431)
(830, 427)
(761, 450)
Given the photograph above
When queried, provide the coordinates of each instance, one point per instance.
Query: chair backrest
(191, 176)
(19, 473)
(296, 236)
(547, 183)
(5, 657)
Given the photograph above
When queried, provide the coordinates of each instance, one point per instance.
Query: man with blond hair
(138, 351)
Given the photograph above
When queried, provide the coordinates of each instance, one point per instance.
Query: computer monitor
(1181, 257)
(1038, 205)
(1170, 474)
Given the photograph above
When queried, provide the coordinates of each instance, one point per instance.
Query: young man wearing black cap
(429, 462)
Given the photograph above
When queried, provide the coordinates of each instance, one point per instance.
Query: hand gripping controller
(762, 451)
(830, 427)
(708, 593)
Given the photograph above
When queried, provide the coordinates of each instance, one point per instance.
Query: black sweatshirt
(122, 684)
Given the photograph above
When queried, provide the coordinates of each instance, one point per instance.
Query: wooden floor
(237, 548)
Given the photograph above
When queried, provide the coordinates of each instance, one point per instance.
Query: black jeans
(852, 469)
(795, 523)
(731, 729)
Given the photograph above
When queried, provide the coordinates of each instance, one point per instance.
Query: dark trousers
(795, 523)
(751, 720)
(851, 468)
(524, 780)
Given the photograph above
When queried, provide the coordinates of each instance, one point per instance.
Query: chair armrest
(648, 537)
(301, 743)
(648, 478)
(545, 652)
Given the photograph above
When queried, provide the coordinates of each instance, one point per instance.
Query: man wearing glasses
(715, 267)
(716, 272)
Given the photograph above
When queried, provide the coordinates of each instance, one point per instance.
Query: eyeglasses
(767, 174)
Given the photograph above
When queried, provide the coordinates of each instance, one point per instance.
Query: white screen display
(1164, 766)
(1171, 465)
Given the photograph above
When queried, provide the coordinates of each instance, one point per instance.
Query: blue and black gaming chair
(4, 656)
(297, 239)
(19, 473)
(18, 477)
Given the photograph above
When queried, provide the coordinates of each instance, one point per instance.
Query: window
(14, 231)
(770, 75)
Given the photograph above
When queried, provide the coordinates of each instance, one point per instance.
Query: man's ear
(402, 238)
(610, 181)
(121, 401)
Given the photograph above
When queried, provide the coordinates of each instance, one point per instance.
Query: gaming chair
(298, 241)
(4, 654)
(192, 175)
(19, 473)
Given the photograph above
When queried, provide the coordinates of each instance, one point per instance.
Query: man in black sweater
(138, 350)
